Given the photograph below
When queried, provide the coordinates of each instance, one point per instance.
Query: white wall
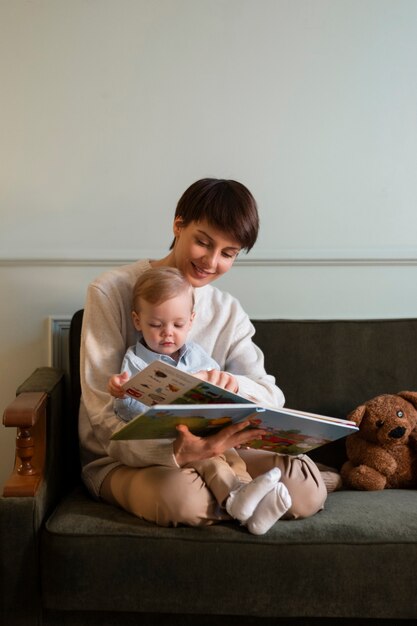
(111, 108)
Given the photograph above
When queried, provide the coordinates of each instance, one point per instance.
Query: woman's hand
(221, 379)
(189, 448)
(115, 383)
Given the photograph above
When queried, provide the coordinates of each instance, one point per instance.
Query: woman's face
(203, 253)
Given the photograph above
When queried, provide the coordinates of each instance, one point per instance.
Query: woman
(214, 221)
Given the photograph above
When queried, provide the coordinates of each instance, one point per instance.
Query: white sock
(243, 501)
(271, 508)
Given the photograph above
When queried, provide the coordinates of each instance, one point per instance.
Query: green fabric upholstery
(333, 366)
(70, 561)
(326, 564)
(113, 618)
(19, 578)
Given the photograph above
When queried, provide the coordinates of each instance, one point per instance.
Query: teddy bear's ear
(357, 414)
(410, 396)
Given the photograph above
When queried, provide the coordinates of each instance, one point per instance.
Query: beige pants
(194, 495)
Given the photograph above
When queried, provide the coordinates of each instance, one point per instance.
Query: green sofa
(68, 560)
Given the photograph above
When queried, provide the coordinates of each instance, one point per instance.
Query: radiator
(58, 341)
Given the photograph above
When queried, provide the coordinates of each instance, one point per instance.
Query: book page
(160, 383)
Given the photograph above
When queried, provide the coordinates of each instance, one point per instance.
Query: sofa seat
(97, 557)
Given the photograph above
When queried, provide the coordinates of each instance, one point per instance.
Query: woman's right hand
(189, 448)
(114, 386)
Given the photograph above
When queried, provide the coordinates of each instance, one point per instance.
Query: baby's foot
(271, 508)
(243, 501)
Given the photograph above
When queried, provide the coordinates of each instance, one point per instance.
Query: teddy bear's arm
(362, 452)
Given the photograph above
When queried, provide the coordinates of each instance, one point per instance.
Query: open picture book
(175, 397)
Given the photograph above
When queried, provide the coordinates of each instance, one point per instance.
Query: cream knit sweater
(221, 327)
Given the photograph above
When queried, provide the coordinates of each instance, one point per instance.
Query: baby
(163, 312)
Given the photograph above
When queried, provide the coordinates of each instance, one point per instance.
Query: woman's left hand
(189, 448)
(221, 379)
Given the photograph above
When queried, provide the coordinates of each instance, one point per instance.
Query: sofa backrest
(323, 366)
(333, 366)
(74, 358)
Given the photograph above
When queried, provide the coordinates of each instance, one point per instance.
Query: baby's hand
(221, 379)
(115, 383)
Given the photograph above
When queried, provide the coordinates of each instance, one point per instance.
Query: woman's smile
(202, 252)
(201, 271)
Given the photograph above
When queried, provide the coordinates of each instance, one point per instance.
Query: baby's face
(165, 326)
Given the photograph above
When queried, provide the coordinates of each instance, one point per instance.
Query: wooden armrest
(27, 413)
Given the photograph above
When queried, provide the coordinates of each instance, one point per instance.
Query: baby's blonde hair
(160, 284)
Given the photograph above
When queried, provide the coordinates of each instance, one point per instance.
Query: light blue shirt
(192, 358)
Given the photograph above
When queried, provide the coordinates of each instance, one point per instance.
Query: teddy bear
(382, 454)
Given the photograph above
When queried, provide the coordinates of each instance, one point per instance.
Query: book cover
(175, 397)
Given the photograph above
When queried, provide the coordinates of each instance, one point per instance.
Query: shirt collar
(149, 355)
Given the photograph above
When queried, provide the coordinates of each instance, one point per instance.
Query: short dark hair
(224, 204)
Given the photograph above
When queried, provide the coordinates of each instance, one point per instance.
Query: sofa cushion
(97, 557)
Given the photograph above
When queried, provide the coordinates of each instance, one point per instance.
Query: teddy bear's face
(388, 420)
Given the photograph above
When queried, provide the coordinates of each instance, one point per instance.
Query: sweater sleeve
(246, 361)
(226, 332)
(103, 344)
(127, 408)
